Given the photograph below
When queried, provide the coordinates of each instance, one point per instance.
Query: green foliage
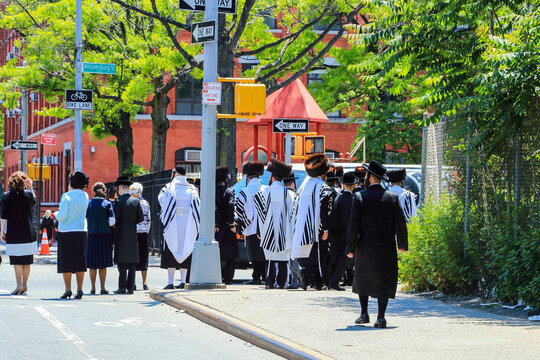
(435, 256)
(134, 170)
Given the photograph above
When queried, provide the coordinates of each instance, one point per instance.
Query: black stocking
(364, 303)
(383, 303)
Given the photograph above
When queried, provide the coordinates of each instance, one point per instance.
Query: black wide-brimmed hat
(377, 169)
(222, 173)
(290, 177)
(349, 178)
(253, 168)
(360, 173)
(396, 175)
(316, 165)
(278, 168)
(123, 180)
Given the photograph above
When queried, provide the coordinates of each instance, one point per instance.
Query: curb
(241, 329)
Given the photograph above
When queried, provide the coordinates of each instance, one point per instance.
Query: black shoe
(145, 287)
(337, 287)
(104, 292)
(302, 280)
(380, 323)
(92, 292)
(253, 282)
(66, 295)
(129, 292)
(169, 287)
(180, 286)
(363, 319)
(269, 286)
(79, 295)
(289, 287)
(134, 287)
(120, 291)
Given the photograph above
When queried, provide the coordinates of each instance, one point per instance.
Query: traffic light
(249, 99)
(314, 144)
(33, 172)
(296, 145)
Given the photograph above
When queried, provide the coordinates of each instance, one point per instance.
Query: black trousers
(259, 271)
(126, 277)
(227, 270)
(281, 275)
(314, 265)
(337, 271)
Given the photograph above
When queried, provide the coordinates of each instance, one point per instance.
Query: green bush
(134, 170)
(435, 256)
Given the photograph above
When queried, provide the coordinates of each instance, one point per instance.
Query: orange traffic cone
(44, 244)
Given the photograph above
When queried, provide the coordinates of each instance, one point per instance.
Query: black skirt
(254, 249)
(169, 261)
(142, 239)
(21, 260)
(99, 251)
(71, 252)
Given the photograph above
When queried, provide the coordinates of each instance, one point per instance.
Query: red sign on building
(48, 139)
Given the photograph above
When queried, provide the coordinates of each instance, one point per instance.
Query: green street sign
(97, 68)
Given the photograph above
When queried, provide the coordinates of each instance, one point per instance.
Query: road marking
(163, 325)
(65, 330)
(108, 323)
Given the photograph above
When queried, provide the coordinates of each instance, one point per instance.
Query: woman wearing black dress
(17, 227)
(100, 217)
(48, 224)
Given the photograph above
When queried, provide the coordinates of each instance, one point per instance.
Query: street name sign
(23, 145)
(203, 32)
(290, 125)
(211, 93)
(224, 6)
(48, 139)
(97, 68)
(79, 99)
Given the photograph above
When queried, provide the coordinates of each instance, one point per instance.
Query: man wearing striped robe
(407, 199)
(274, 208)
(311, 222)
(180, 215)
(248, 220)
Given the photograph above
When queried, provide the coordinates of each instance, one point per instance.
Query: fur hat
(278, 168)
(377, 169)
(396, 175)
(316, 165)
(253, 168)
(222, 173)
(123, 180)
(334, 173)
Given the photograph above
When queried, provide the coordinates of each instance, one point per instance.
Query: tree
(245, 34)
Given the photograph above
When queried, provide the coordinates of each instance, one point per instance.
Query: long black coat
(339, 223)
(128, 213)
(228, 244)
(376, 222)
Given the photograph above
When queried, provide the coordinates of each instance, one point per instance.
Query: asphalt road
(41, 326)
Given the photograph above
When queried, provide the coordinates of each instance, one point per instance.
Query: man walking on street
(406, 198)
(248, 221)
(376, 222)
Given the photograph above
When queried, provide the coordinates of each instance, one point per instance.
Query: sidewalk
(418, 328)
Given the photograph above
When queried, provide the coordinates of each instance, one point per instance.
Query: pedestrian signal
(296, 145)
(313, 144)
(33, 171)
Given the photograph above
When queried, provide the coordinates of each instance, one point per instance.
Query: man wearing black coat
(376, 222)
(128, 213)
(225, 230)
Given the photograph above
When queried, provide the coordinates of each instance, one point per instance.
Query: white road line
(64, 330)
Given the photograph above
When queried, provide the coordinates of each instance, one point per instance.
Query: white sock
(171, 275)
(183, 276)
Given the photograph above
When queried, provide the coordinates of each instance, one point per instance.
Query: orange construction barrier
(44, 244)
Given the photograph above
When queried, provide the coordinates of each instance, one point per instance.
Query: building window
(323, 27)
(189, 97)
(190, 159)
(271, 22)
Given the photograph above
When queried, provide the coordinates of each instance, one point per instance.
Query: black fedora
(396, 175)
(377, 169)
(349, 178)
(123, 180)
(290, 177)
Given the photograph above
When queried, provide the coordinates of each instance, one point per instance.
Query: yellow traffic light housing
(314, 144)
(249, 99)
(33, 172)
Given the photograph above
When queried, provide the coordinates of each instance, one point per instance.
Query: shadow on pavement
(364, 328)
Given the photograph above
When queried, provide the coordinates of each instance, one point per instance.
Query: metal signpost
(203, 32)
(77, 139)
(46, 139)
(289, 126)
(206, 264)
(23, 145)
(224, 6)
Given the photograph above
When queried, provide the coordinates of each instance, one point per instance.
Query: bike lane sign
(79, 99)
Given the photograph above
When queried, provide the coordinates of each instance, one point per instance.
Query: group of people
(88, 230)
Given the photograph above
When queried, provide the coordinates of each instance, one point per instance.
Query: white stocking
(171, 274)
(183, 276)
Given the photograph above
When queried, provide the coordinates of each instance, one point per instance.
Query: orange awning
(291, 102)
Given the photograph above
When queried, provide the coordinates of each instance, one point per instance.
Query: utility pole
(77, 148)
(24, 119)
(206, 264)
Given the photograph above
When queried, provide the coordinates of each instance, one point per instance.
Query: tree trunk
(124, 142)
(160, 125)
(226, 128)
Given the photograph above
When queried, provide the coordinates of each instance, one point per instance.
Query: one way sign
(203, 32)
(290, 125)
(224, 6)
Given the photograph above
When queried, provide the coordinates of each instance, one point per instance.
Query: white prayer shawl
(245, 207)
(407, 201)
(307, 218)
(180, 216)
(274, 207)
